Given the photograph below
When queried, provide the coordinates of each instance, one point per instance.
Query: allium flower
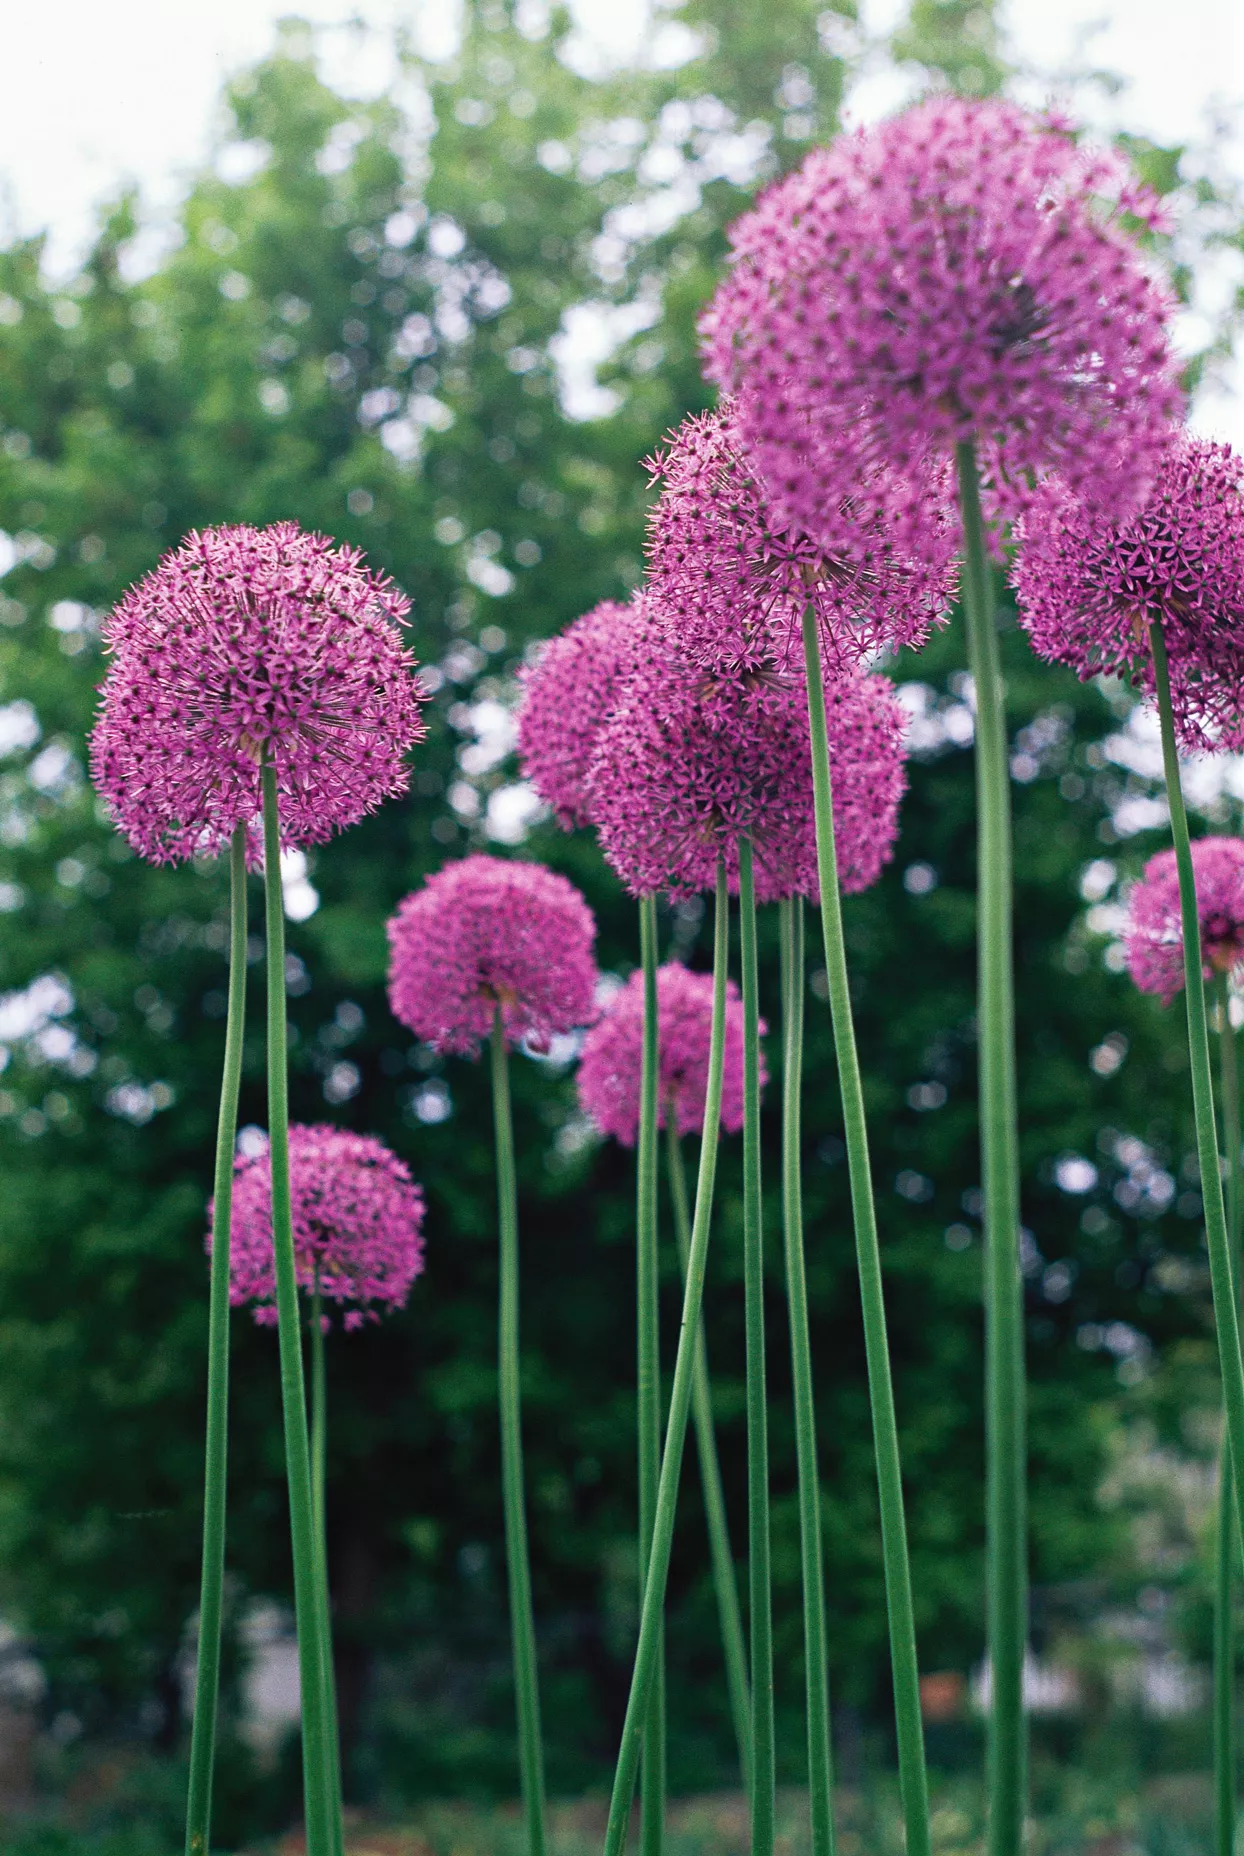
(357, 1218)
(731, 578)
(1088, 590)
(609, 1072)
(1154, 934)
(962, 272)
(567, 695)
(246, 644)
(691, 760)
(489, 932)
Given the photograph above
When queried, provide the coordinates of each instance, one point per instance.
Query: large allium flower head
(964, 271)
(246, 645)
(487, 933)
(1154, 934)
(692, 759)
(1088, 589)
(609, 1072)
(731, 578)
(357, 1218)
(567, 695)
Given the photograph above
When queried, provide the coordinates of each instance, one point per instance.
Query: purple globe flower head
(1088, 589)
(487, 934)
(1154, 934)
(567, 696)
(609, 1071)
(243, 645)
(963, 272)
(357, 1218)
(692, 759)
(731, 578)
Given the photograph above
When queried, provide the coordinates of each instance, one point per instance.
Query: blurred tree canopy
(380, 319)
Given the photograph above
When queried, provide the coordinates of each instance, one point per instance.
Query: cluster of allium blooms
(731, 578)
(609, 1073)
(567, 696)
(963, 272)
(692, 759)
(487, 934)
(1088, 589)
(357, 1221)
(1154, 934)
(249, 645)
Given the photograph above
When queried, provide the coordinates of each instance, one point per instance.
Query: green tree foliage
(362, 324)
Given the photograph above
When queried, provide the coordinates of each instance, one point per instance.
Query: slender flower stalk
(211, 1597)
(522, 1622)
(1006, 1534)
(318, 1784)
(652, 1796)
(913, 1779)
(815, 1641)
(1224, 1581)
(319, 1447)
(733, 1643)
(680, 1402)
(764, 1754)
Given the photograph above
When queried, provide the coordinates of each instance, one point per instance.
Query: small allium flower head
(357, 1218)
(1154, 934)
(246, 644)
(1089, 589)
(961, 272)
(691, 760)
(567, 695)
(609, 1073)
(731, 578)
(487, 933)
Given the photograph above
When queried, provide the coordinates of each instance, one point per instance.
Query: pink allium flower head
(609, 1072)
(1154, 934)
(245, 643)
(1088, 589)
(489, 932)
(567, 695)
(691, 760)
(961, 272)
(730, 577)
(357, 1218)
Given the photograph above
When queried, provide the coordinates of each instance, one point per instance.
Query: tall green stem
(652, 1794)
(211, 1591)
(815, 1639)
(734, 1647)
(913, 1780)
(316, 1756)
(1006, 1537)
(760, 1608)
(522, 1622)
(1224, 1584)
(680, 1400)
(319, 1448)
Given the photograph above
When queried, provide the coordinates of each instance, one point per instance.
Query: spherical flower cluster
(731, 579)
(609, 1073)
(567, 695)
(961, 273)
(691, 760)
(1088, 589)
(1154, 934)
(246, 645)
(357, 1221)
(489, 934)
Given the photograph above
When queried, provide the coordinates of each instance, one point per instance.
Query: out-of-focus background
(428, 281)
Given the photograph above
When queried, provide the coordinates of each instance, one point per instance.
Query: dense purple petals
(609, 1073)
(1154, 934)
(244, 644)
(963, 272)
(487, 932)
(357, 1220)
(1088, 589)
(567, 696)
